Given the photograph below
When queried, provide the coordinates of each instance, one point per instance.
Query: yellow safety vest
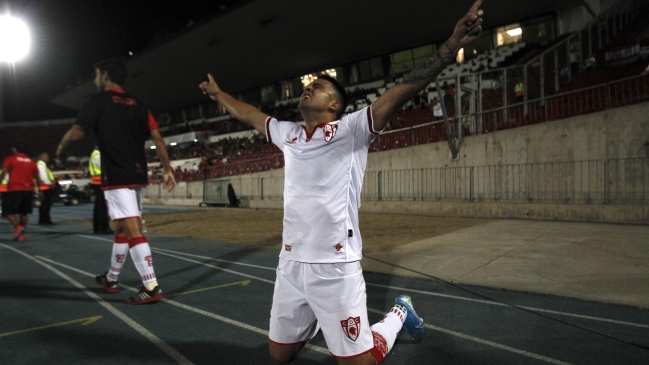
(3, 185)
(50, 177)
(95, 171)
(518, 89)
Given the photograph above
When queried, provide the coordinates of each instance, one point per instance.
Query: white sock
(141, 255)
(385, 333)
(118, 257)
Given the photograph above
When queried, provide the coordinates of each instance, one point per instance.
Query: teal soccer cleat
(413, 324)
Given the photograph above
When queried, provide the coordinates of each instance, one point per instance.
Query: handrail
(602, 15)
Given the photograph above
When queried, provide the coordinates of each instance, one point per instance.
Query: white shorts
(124, 203)
(330, 295)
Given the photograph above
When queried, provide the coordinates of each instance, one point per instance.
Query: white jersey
(323, 176)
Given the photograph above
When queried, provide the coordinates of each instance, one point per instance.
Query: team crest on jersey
(351, 327)
(330, 131)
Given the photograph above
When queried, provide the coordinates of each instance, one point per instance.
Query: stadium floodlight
(14, 39)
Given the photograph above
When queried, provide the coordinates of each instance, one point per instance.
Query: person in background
(47, 188)
(122, 125)
(23, 180)
(438, 113)
(100, 221)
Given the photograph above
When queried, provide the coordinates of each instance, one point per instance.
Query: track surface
(218, 303)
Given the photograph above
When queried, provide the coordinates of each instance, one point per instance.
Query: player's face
(316, 95)
(100, 81)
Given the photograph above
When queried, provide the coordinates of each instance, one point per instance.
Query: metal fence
(615, 181)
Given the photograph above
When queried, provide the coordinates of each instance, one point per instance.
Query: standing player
(122, 125)
(319, 279)
(18, 199)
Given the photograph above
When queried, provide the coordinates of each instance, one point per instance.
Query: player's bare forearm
(467, 29)
(240, 110)
(72, 135)
(429, 70)
(161, 150)
(415, 81)
(243, 111)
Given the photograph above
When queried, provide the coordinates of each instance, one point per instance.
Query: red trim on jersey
(152, 123)
(268, 136)
(122, 186)
(309, 135)
(352, 356)
(121, 219)
(121, 239)
(117, 90)
(370, 121)
(136, 241)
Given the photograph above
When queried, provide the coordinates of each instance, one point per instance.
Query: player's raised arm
(466, 31)
(242, 111)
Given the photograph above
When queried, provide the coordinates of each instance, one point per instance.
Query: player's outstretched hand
(210, 87)
(169, 181)
(468, 28)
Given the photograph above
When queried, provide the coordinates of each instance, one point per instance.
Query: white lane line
(489, 343)
(217, 268)
(180, 359)
(458, 334)
(447, 296)
(157, 249)
(233, 322)
(541, 310)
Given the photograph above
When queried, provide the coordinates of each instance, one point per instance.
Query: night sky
(69, 36)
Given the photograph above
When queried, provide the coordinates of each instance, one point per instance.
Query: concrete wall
(621, 133)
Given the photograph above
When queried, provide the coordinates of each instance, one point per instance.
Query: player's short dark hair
(19, 146)
(116, 69)
(341, 90)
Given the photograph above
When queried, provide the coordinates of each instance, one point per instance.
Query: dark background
(69, 36)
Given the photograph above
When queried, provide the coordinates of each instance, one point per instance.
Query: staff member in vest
(3, 184)
(3, 188)
(519, 91)
(18, 199)
(100, 223)
(44, 217)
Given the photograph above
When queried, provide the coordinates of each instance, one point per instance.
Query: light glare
(514, 32)
(14, 39)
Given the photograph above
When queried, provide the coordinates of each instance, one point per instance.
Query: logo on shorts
(293, 140)
(351, 327)
(330, 131)
(338, 247)
(287, 248)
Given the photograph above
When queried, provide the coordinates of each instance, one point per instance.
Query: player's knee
(282, 354)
